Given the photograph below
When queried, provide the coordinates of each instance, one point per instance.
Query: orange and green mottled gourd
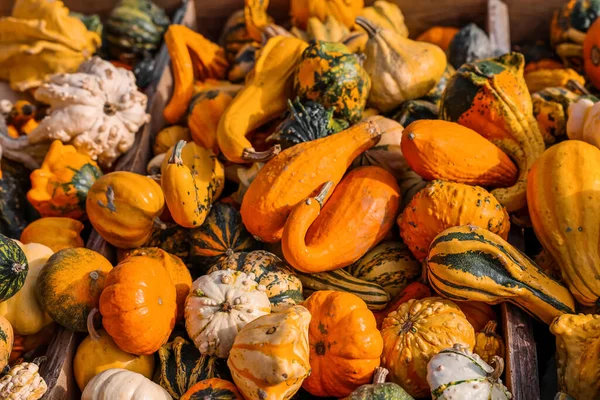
(209, 61)
(491, 97)
(345, 11)
(300, 172)
(178, 272)
(321, 237)
(449, 151)
(331, 75)
(60, 187)
(212, 389)
(269, 359)
(70, 284)
(577, 347)
(442, 205)
(469, 263)
(345, 345)
(55, 232)
(417, 331)
(123, 207)
(139, 305)
(563, 195)
(263, 98)
(192, 180)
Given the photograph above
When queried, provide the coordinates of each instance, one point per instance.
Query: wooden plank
(102, 7)
(57, 370)
(498, 27)
(521, 365)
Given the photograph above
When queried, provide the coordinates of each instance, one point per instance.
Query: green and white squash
(283, 287)
(305, 122)
(134, 30)
(181, 366)
(13, 268)
(341, 281)
(379, 389)
(391, 265)
(457, 373)
(331, 75)
(221, 234)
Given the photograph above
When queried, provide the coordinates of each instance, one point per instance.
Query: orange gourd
(55, 232)
(437, 149)
(478, 313)
(488, 343)
(139, 305)
(591, 53)
(415, 290)
(345, 345)
(357, 216)
(439, 35)
(300, 171)
(214, 388)
(178, 272)
(208, 61)
(442, 205)
(345, 11)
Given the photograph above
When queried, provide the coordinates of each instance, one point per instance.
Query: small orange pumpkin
(214, 388)
(55, 232)
(439, 35)
(488, 343)
(139, 305)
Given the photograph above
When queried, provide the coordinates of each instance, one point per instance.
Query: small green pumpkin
(331, 75)
(306, 122)
(391, 265)
(414, 110)
(13, 268)
(470, 44)
(134, 29)
(221, 234)
(284, 289)
(379, 389)
(181, 366)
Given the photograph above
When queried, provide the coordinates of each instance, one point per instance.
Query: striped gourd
(471, 263)
(181, 366)
(13, 268)
(283, 287)
(221, 234)
(339, 280)
(391, 265)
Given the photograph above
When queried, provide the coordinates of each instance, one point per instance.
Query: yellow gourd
(168, 137)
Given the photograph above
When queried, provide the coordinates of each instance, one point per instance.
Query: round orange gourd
(55, 232)
(477, 313)
(591, 53)
(139, 305)
(445, 150)
(180, 275)
(442, 205)
(345, 345)
(212, 389)
(417, 331)
(488, 343)
(439, 35)
(123, 206)
(70, 284)
(345, 11)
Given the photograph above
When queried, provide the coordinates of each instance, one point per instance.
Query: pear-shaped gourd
(400, 69)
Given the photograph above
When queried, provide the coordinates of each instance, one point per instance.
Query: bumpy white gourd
(117, 383)
(584, 122)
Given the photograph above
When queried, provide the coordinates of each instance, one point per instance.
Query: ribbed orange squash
(356, 217)
(437, 149)
(300, 171)
(564, 204)
(443, 205)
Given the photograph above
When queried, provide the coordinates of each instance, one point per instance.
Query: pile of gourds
(328, 208)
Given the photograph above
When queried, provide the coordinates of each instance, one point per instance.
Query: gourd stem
(176, 154)
(252, 155)
(159, 224)
(18, 267)
(498, 368)
(39, 360)
(380, 375)
(320, 197)
(575, 35)
(90, 325)
(364, 23)
(575, 86)
(490, 328)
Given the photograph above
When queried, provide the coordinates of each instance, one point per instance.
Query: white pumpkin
(457, 373)
(219, 305)
(98, 109)
(584, 122)
(274, 351)
(117, 383)
(23, 310)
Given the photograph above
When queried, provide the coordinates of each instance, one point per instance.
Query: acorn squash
(13, 268)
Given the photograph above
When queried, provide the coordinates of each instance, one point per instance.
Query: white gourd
(219, 305)
(23, 382)
(117, 383)
(456, 373)
(584, 122)
(98, 109)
